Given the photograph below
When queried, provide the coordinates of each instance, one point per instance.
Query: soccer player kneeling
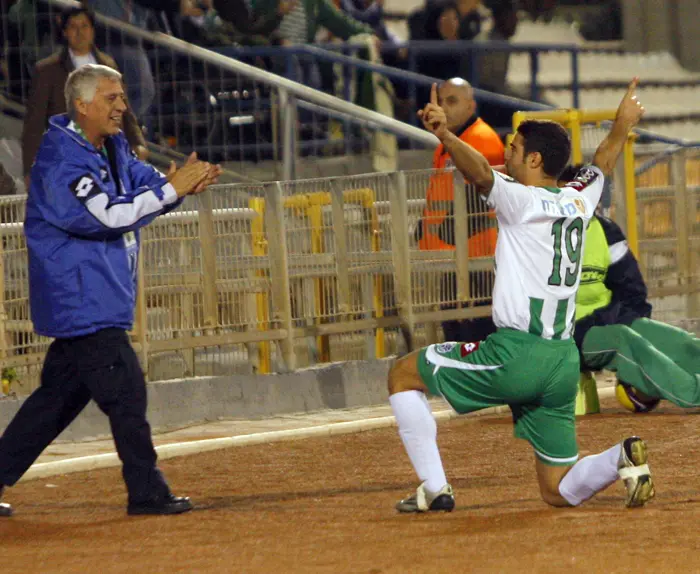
(531, 363)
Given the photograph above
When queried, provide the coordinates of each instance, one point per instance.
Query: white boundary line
(94, 462)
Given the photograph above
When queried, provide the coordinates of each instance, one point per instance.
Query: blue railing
(346, 54)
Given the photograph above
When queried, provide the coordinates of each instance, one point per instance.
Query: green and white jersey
(539, 251)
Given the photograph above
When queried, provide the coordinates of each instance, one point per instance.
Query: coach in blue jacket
(89, 196)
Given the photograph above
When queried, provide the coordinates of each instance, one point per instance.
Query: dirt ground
(326, 505)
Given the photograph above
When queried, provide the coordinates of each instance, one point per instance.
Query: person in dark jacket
(614, 329)
(46, 96)
(89, 197)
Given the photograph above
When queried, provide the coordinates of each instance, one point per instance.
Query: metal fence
(668, 208)
(256, 278)
(281, 276)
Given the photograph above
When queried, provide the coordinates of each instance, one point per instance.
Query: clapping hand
(193, 177)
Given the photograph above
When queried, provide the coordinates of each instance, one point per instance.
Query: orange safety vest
(437, 231)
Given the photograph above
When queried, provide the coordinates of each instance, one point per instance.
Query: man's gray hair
(82, 84)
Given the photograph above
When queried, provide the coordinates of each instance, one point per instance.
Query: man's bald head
(456, 97)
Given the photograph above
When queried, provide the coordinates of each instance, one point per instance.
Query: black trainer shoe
(167, 505)
(5, 509)
(634, 471)
(424, 501)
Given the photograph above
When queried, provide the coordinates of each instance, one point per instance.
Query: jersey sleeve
(589, 182)
(510, 199)
(78, 204)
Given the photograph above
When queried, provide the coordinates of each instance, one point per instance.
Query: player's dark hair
(66, 15)
(570, 172)
(550, 140)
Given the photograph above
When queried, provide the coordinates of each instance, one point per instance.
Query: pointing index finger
(433, 94)
(633, 86)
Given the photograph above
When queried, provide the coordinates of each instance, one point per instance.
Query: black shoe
(5, 509)
(424, 501)
(168, 505)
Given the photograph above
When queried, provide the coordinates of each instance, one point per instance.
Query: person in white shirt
(531, 363)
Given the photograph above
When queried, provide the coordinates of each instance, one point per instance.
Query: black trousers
(102, 366)
(468, 330)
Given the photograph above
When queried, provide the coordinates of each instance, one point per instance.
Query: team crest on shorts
(444, 348)
(469, 348)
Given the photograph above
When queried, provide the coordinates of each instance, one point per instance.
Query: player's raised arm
(628, 115)
(468, 160)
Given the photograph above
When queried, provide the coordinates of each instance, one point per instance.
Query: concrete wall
(174, 404)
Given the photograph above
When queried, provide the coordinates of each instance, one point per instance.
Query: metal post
(401, 254)
(574, 78)
(630, 196)
(574, 124)
(279, 271)
(412, 91)
(142, 313)
(341, 249)
(207, 242)
(683, 227)
(534, 71)
(461, 213)
(288, 109)
(3, 314)
(259, 249)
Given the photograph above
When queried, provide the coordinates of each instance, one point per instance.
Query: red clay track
(326, 505)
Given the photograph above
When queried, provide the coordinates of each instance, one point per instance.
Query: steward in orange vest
(436, 228)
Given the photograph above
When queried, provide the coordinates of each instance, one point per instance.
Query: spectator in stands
(47, 92)
(371, 13)
(604, 24)
(472, 15)
(129, 53)
(251, 26)
(469, 13)
(493, 65)
(30, 33)
(301, 23)
(539, 9)
(442, 24)
(436, 228)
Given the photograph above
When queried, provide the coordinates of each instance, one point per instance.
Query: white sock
(590, 475)
(418, 431)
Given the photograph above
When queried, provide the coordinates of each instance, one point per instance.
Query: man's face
(458, 105)
(79, 34)
(104, 114)
(515, 157)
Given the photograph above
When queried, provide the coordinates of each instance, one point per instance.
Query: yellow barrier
(310, 205)
(259, 249)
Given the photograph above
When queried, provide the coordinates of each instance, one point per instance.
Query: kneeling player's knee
(549, 478)
(553, 497)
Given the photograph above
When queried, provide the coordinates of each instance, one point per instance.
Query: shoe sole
(643, 492)
(442, 503)
(158, 512)
(416, 511)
